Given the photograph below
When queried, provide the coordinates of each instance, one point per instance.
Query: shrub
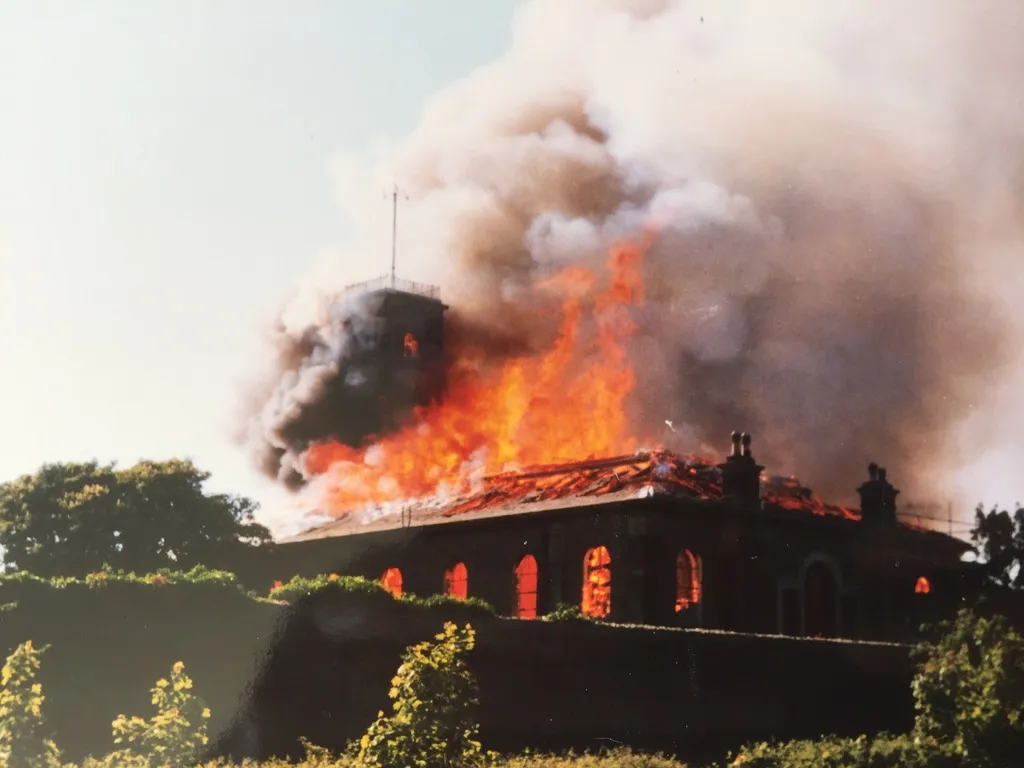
(175, 735)
(969, 690)
(830, 752)
(22, 743)
(567, 612)
(300, 586)
(434, 696)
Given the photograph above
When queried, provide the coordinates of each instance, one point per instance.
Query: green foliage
(999, 536)
(615, 758)
(300, 586)
(18, 581)
(830, 752)
(173, 736)
(433, 696)
(70, 519)
(473, 604)
(969, 690)
(22, 743)
(567, 612)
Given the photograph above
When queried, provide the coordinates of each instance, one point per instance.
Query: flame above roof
(594, 481)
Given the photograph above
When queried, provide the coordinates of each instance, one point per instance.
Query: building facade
(656, 539)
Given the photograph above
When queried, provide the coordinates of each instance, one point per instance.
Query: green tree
(999, 537)
(71, 519)
(22, 743)
(434, 697)
(969, 691)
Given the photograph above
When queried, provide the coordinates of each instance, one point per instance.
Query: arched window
(526, 588)
(688, 580)
(923, 586)
(597, 583)
(392, 581)
(456, 581)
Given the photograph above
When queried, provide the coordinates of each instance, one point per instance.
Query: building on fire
(657, 539)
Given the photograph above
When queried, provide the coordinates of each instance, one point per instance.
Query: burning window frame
(596, 600)
(391, 580)
(689, 580)
(527, 582)
(456, 581)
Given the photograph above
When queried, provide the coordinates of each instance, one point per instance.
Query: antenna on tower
(395, 191)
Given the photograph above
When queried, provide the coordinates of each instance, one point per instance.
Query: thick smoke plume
(834, 186)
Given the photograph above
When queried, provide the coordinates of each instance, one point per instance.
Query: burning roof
(643, 474)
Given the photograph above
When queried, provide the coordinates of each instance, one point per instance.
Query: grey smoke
(835, 185)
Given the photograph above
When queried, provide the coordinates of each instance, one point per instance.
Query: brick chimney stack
(741, 474)
(878, 497)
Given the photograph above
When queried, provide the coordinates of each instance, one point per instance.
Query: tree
(434, 697)
(999, 537)
(969, 691)
(22, 740)
(71, 519)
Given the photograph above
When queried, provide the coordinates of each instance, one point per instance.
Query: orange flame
(412, 347)
(564, 405)
(923, 586)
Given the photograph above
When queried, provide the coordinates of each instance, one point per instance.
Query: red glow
(923, 586)
(412, 347)
(526, 588)
(688, 580)
(456, 581)
(392, 581)
(597, 583)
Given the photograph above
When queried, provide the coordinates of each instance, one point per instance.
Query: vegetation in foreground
(969, 694)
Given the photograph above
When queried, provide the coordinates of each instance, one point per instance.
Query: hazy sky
(164, 183)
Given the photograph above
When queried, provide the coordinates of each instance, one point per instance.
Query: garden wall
(324, 670)
(575, 684)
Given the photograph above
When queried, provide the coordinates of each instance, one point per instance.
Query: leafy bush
(434, 696)
(969, 690)
(466, 604)
(22, 743)
(831, 752)
(175, 735)
(567, 612)
(300, 586)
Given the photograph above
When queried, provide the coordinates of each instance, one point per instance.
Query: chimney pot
(873, 471)
(881, 474)
(746, 439)
(736, 437)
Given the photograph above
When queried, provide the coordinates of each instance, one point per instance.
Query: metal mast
(394, 230)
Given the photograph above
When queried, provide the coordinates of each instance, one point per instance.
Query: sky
(165, 184)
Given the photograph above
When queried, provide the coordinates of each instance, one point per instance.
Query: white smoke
(837, 186)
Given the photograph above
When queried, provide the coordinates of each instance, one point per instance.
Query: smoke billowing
(834, 186)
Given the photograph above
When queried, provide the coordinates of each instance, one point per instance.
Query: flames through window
(456, 581)
(688, 580)
(597, 583)
(392, 581)
(411, 346)
(923, 586)
(526, 588)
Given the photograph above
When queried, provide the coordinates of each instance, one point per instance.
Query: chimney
(878, 497)
(741, 474)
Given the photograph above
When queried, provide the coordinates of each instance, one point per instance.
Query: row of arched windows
(597, 583)
(456, 584)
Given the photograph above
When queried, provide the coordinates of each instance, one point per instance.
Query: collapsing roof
(538, 489)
